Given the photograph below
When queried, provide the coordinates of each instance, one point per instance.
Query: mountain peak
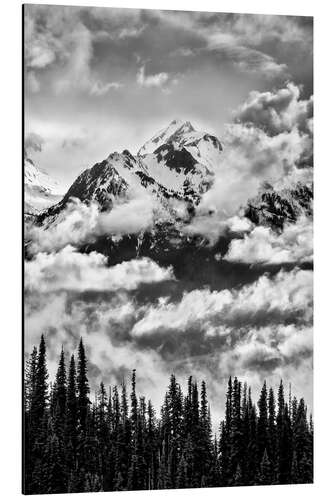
(176, 128)
(181, 124)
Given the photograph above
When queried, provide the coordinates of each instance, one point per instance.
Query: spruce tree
(271, 448)
(265, 475)
(40, 394)
(204, 437)
(71, 427)
(262, 429)
(83, 389)
(30, 378)
(75, 446)
(59, 398)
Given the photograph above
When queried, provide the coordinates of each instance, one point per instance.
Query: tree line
(118, 442)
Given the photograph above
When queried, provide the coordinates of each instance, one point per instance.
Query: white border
(10, 245)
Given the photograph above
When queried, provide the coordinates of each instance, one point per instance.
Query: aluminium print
(168, 249)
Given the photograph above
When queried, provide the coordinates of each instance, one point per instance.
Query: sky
(99, 80)
(102, 80)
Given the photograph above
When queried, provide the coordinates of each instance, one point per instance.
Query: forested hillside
(117, 441)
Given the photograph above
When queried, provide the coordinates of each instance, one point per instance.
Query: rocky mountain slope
(274, 208)
(177, 164)
(40, 190)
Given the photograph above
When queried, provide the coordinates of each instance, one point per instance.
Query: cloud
(148, 81)
(258, 29)
(99, 88)
(59, 40)
(269, 349)
(214, 225)
(264, 246)
(76, 73)
(40, 46)
(33, 142)
(271, 141)
(287, 294)
(245, 58)
(252, 157)
(277, 111)
(32, 83)
(236, 342)
(79, 223)
(70, 270)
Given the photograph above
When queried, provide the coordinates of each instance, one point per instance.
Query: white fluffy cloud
(286, 293)
(264, 246)
(278, 111)
(251, 157)
(148, 81)
(80, 223)
(272, 136)
(275, 352)
(214, 225)
(99, 88)
(58, 38)
(70, 270)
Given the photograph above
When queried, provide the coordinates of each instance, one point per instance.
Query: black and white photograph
(168, 249)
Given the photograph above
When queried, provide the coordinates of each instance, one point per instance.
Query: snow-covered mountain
(274, 208)
(177, 163)
(179, 155)
(204, 148)
(40, 190)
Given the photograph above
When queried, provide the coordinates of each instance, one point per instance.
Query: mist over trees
(117, 441)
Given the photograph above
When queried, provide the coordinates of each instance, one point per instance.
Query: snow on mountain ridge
(40, 190)
(179, 167)
(34, 176)
(175, 128)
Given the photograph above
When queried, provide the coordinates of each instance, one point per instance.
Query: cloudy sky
(100, 80)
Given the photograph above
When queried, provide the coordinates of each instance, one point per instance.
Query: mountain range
(40, 190)
(176, 164)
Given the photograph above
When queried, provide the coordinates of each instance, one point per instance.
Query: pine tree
(225, 438)
(271, 448)
(29, 390)
(40, 394)
(182, 474)
(294, 470)
(134, 404)
(262, 429)
(83, 389)
(204, 437)
(302, 444)
(265, 475)
(75, 446)
(237, 479)
(103, 434)
(252, 467)
(215, 470)
(123, 456)
(71, 427)
(30, 379)
(59, 398)
(235, 429)
(151, 447)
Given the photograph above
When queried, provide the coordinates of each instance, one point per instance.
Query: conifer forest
(117, 440)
